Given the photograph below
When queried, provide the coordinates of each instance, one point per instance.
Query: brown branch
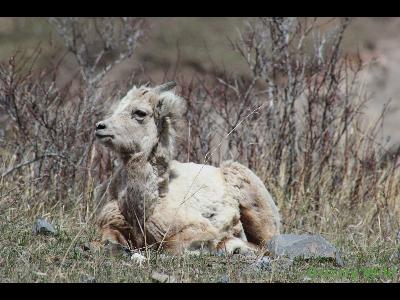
(32, 161)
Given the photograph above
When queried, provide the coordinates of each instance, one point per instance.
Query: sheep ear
(165, 87)
(171, 105)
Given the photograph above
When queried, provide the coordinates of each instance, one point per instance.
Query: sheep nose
(100, 125)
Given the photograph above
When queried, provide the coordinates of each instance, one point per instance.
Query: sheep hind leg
(192, 240)
(234, 245)
(258, 212)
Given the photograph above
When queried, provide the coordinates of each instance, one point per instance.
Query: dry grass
(29, 258)
(295, 121)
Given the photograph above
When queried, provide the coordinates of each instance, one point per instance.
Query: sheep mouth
(104, 136)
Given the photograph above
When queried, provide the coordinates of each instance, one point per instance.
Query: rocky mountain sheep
(154, 200)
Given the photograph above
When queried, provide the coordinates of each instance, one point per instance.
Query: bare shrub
(50, 128)
(296, 122)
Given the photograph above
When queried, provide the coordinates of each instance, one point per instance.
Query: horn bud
(165, 87)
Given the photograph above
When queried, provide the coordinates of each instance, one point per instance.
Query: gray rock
(224, 279)
(42, 226)
(263, 264)
(303, 246)
(87, 247)
(221, 254)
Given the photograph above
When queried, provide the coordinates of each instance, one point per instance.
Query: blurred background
(202, 45)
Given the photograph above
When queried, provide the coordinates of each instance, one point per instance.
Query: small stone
(263, 264)
(224, 279)
(86, 247)
(221, 254)
(138, 258)
(338, 259)
(304, 246)
(41, 226)
(88, 279)
(106, 264)
(163, 256)
(192, 253)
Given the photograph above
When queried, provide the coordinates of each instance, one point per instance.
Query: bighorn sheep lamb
(154, 200)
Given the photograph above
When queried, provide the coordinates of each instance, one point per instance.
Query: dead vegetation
(296, 121)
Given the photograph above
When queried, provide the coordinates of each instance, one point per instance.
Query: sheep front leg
(192, 239)
(113, 225)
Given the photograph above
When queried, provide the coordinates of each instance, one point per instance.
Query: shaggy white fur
(152, 199)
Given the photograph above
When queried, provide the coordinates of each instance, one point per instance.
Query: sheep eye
(139, 114)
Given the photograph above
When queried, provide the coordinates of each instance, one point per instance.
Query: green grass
(26, 257)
